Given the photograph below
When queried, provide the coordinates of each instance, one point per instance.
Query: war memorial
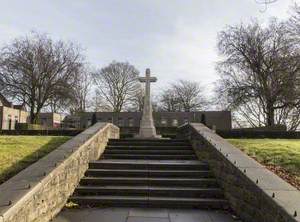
(197, 176)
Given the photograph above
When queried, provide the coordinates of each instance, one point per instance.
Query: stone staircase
(149, 173)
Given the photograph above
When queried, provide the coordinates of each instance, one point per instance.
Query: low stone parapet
(40, 191)
(52, 132)
(255, 193)
(258, 134)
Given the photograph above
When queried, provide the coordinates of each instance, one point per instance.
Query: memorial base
(148, 133)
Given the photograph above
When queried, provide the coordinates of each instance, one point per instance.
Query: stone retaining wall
(57, 132)
(257, 134)
(255, 193)
(40, 191)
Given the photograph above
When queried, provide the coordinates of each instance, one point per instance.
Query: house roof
(20, 107)
(4, 101)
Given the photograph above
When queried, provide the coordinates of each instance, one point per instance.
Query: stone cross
(147, 128)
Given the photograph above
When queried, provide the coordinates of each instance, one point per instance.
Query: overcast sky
(175, 38)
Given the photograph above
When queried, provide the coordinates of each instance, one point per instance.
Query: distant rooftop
(6, 103)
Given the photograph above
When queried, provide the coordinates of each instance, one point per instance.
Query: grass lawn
(18, 152)
(280, 155)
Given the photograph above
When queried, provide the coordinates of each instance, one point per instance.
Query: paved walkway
(141, 215)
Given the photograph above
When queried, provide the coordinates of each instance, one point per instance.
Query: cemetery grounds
(282, 156)
(18, 152)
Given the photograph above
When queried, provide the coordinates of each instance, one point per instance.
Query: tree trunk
(33, 117)
(270, 115)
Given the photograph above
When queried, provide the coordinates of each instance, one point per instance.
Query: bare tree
(137, 101)
(74, 100)
(35, 69)
(55, 105)
(259, 72)
(190, 95)
(98, 104)
(169, 101)
(293, 23)
(265, 3)
(117, 84)
(183, 95)
(79, 101)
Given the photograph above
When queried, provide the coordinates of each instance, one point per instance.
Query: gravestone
(147, 128)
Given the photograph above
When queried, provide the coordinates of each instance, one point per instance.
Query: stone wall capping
(8, 203)
(242, 160)
(42, 184)
(287, 200)
(255, 193)
(268, 181)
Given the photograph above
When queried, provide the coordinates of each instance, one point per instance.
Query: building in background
(11, 114)
(219, 119)
(50, 120)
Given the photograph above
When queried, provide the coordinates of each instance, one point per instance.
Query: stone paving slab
(144, 212)
(147, 219)
(189, 216)
(142, 215)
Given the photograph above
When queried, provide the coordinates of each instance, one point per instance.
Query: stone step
(147, 164)
(147, 147)
(150, 191)
(145, 201)
(148, 173)
(148, 151)
(152, 143)
(154, 181)
(149, 157)
(149, 140)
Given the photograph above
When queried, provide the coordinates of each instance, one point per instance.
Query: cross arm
(144, 79)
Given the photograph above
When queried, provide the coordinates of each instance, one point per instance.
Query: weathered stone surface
(254, 192)
(144, 181)
(190, 216)
(143, 215)
(140, 212)
(40, 191)
(242, 160)
(93, 215)
(145, 219)
(147, 128)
